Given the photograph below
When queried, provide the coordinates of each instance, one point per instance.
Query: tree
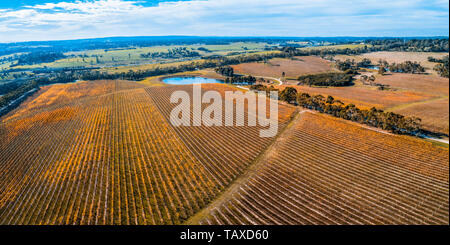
(407, 67)
(442, 67)
(330, 99)
(227, 71)
(442, 70)
(327, 79)
(289, 94)
(364, 63)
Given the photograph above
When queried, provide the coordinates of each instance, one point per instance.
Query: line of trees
(407, 67)
(414, 45)
(174, 53)
(374, 117)
(38, 57)
(8, 87)
(15, 94)
(9, 58)
(204, 50)
(375, 45)
(333, 79)
(227, 71)
(232, 78)
(248, 80)
(351, 67)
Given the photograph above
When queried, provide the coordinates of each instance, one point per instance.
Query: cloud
(90, 6)
(82, 19)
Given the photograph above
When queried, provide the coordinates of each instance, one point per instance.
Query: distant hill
(120, 42)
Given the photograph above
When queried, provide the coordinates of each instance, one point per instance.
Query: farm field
(108, 155)
(428, 103)
(173, 63)
(228, 150)
(280, 116)
(103, 153)
(430, 84)
(411, 91)
(365, 96)
(292, 68)
(232, 47)
(132, 56)
(105, 58)
(434, 113)
(408, 88)
(327, 171)
(398, 57)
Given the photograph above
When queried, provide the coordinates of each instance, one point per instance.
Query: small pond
(376, 68)
(189, 80)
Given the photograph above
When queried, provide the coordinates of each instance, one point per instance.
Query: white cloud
(67, 20)
(90, 6)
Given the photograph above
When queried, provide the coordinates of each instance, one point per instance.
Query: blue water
(377, 68)
(189, 80)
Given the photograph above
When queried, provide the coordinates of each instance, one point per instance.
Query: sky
(37, 20)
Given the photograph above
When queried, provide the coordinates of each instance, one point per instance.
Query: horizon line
(195, 36)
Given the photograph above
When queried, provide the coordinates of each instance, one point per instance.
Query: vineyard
(327, 171)
(108, 156)
(225, 151)
(104, 153)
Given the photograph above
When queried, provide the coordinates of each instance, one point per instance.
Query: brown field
(292, 68)
(433, 85)
(406, 89)
(398, 57)
(428, 102)
(434, 114)
(327, 171)
(366, 97)
(109, 156)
